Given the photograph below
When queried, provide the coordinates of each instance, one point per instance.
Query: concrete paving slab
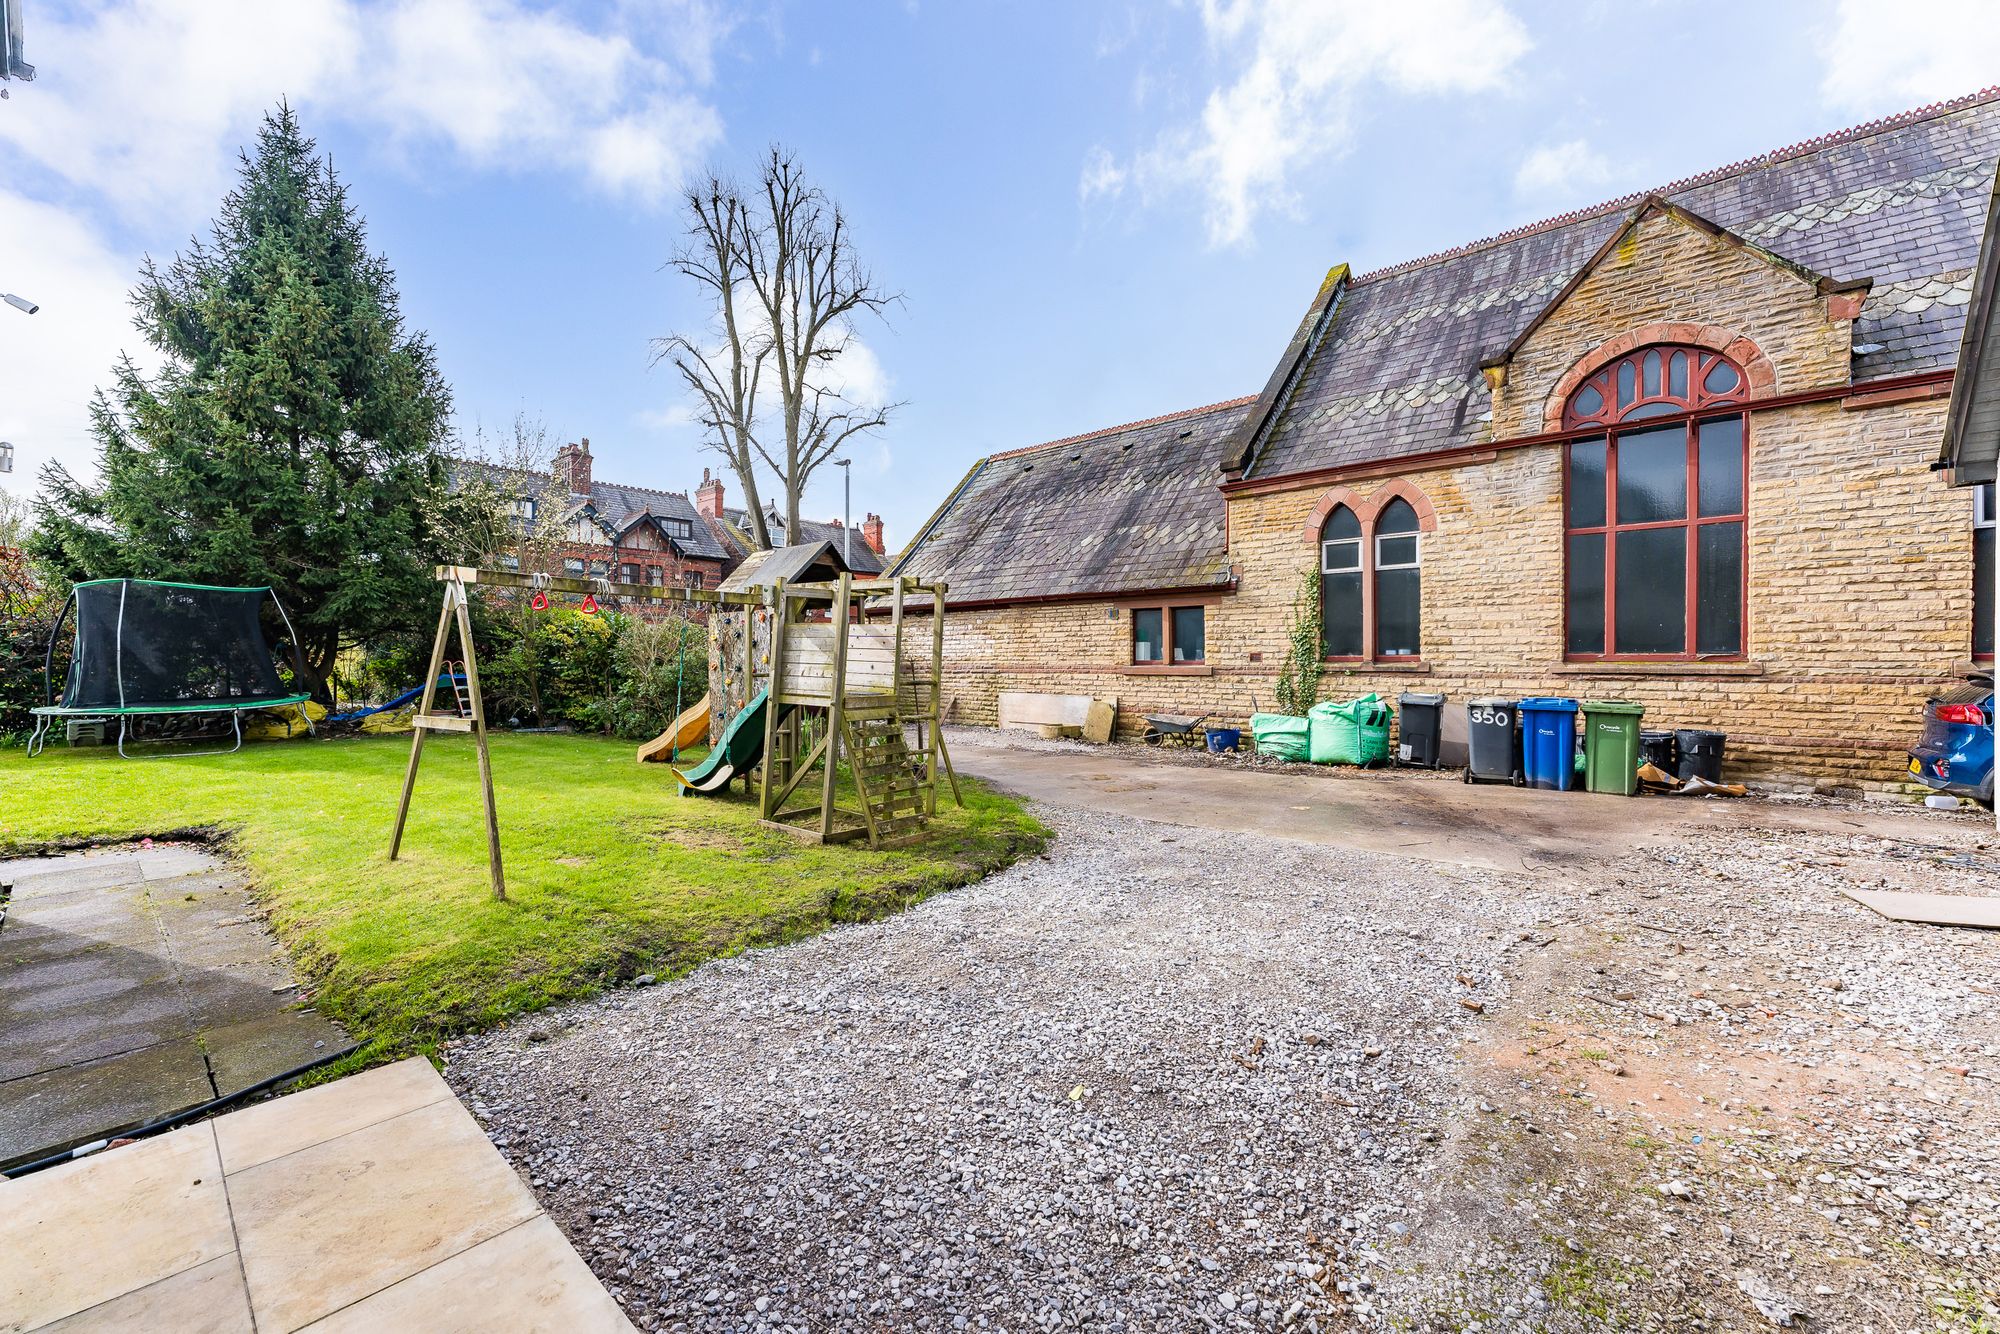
(371, 1203)
(1974, 910)
(78, 1235)
(322, 1228)
(523, 1281)
(140, 1014)
(142, 954)
(207, 1299)
(246, 1054)
(75, 1104)
(35, 876)
(312, 1116)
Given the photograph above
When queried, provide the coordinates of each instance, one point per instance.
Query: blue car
(1955, 753)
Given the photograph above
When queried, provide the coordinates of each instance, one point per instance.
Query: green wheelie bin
(1611, 750)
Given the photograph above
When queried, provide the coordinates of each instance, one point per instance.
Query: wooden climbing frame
(842, 687)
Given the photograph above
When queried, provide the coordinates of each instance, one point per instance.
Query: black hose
(165, 1123)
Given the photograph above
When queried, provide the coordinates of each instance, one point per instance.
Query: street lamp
(846, 467)
(6, 457)
(20, 303)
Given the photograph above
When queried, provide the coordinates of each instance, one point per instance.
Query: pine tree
(296, 433)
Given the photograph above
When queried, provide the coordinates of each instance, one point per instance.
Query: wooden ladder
(454, 670)
(878, 755)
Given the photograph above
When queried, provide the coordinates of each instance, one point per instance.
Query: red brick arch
(1758, 373)
(1366, 508)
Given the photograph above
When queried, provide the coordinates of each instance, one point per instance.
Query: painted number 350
(1492, 717)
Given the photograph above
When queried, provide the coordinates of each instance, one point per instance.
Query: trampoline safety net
(150, 647)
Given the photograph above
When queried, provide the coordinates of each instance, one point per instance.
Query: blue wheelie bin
(1548, 743)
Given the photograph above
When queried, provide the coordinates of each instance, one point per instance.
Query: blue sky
(1095, 211)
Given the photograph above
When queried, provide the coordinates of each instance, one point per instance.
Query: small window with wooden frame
(1166, 637)
(1371, 580)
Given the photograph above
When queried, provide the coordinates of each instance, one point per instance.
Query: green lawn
(609, 873)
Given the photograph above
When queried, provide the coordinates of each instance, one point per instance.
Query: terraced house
(1676, 449)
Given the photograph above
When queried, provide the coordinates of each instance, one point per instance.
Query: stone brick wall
(1082, 648)
(1860, 593)
(1859, 559)
(1666, 273)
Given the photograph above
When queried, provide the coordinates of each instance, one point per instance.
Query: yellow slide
(690, 729)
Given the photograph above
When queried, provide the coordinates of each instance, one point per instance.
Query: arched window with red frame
(1654, 508)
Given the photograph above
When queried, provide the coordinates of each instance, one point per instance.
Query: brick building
(862, 548)
(1675, 449)
(638, 534)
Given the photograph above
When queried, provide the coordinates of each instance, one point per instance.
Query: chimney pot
(708, 496)
(572, 465)
(871, 533)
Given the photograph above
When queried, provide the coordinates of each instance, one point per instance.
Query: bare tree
(723, 375)
(811, 286)
(787, 286)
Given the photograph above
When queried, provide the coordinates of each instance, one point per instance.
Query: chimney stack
(871, 533)
(708, 496)
(572, 466)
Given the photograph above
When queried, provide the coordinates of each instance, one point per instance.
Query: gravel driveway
(1170, 1078)
(1152, 1079)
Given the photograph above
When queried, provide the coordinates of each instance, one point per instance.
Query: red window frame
(1656, 409)
(1368, 570)
(1166, 658)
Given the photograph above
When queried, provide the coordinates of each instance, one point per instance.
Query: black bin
(1420, 730)
(1657, 749)
(1494, 740)
(1700, 754)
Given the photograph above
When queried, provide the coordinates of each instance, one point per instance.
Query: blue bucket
(1224, 738)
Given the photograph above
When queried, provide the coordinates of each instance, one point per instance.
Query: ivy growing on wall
(1298, 679)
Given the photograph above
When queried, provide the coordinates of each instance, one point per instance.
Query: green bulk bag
(1280, 734)
(1354, 732)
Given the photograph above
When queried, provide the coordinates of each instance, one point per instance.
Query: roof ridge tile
(1849, 135)
(1243, 402)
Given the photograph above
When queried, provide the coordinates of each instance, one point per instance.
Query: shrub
(30, 602)
(1298, 680)
(662, 668)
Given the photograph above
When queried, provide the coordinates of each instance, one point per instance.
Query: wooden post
(938, 754)
(485, 759)
(455, 614)
(423, 707)
(837, 714)
(780, 608)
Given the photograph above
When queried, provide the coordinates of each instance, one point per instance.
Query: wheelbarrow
(1174, 729)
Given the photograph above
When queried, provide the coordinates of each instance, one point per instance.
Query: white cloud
(143, 103)
(1566, 170)
(1101, 175)
(1883, 57)
(55, 359)
(1298, 66)
(129, 136)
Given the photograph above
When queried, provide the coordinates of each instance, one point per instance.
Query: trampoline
(144, 647)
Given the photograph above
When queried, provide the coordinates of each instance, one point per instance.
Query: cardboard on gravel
(1937, 909)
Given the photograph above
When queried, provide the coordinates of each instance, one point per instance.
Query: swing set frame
(895, 805)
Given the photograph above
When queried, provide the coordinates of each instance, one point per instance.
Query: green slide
(741, 747)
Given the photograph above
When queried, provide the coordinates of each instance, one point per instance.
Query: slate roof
(1128, 509)
(621, 507)
(1900, 201)
(1972, 429)
(865, 560)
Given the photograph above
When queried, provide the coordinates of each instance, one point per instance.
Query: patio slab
(375, 1202)
(135, 983)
